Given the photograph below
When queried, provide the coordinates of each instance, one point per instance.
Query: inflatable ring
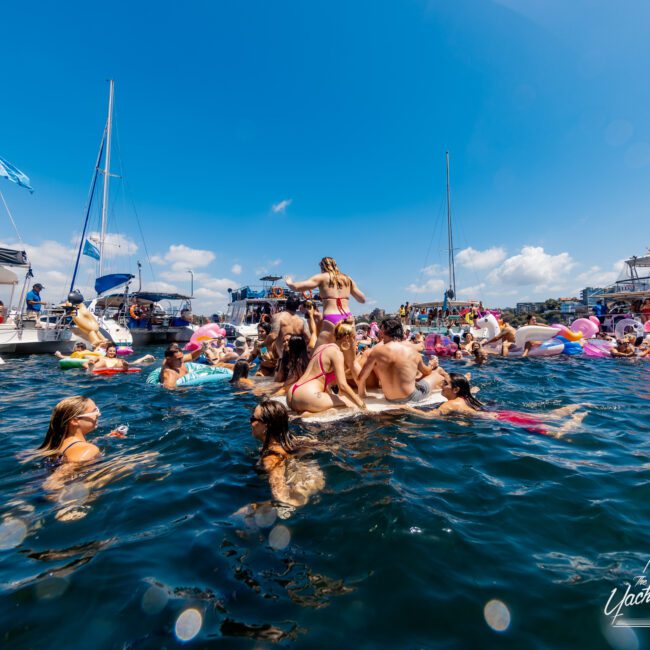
(308, 294)
(133, 312)
(277, 292)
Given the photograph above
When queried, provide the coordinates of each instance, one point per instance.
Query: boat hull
(15, 340)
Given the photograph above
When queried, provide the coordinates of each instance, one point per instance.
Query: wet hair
(240, 371)
(171, 350)
(458, 354)
(393, 327)
(328, 265)
(276, 418)
(296, 359)
(265, 326)
(80, 344)
(292, 303)
(456, 380)
(67, 409)
(344, 329)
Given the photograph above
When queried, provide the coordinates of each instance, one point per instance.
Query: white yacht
(20, 334)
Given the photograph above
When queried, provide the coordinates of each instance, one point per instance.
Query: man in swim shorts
(398, 365)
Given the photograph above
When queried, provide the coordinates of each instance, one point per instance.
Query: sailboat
(20, 332)
(433, 315)
(109, 326)
(128, 317)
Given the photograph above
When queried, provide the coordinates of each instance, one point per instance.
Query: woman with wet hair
(240, 375)
(311, 394)
(335, 289)
(72, 419)
(460, 401)
(270, 425)
(293, 364)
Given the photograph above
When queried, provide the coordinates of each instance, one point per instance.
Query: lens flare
(188, 624)
(497, 615)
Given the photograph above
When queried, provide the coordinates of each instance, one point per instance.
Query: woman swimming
(310, 393)
(72, 419)
(460, 401)
(270, 425)
(240, 375)
(335, 289)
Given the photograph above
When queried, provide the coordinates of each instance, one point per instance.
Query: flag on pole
(91, 250)
(8, 171)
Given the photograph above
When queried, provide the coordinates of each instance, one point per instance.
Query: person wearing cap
(34, 302)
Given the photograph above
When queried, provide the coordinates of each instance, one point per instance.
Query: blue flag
(8, 171)
(91, 250)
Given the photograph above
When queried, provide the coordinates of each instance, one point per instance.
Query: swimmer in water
(506, 336)
(270, 425)
(72, 419)
(240, 375)
(460, 401)
(335, 289)
(310, 393)
(110, 361)
(174, 367)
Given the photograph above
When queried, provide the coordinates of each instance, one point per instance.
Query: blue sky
(340, 114)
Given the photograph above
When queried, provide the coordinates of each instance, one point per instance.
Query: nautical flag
(8, 171)
(91, 250)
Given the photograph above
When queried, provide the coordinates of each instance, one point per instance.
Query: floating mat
(375, 403)
(197, 374)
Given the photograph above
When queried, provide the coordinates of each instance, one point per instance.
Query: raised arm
(304, 285)
(356, 292)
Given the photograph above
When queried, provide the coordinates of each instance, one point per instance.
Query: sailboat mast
(450, 237)
(107, 175)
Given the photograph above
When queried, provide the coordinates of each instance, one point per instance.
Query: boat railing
(50, 317)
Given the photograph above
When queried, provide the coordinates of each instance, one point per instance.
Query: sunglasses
(253, 419)
(92, 414)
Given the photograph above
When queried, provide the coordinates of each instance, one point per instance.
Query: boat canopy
(12, 257)
(154, 296)
(7, 276)
(644, 260)
(106, 282)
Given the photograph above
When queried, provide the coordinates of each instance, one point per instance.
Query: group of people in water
(309, 362)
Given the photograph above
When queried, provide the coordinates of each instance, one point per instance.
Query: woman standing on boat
(335, 289)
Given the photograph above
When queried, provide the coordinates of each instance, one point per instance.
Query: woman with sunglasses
(73, 418)
(290, 484)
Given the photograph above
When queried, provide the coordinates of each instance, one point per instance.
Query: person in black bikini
(73, 418)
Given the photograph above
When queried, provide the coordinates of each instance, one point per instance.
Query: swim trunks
(421, 392)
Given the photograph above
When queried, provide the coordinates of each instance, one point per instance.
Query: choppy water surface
(420, 525)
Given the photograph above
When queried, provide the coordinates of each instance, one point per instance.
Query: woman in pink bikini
(335, 289)
(310, 393)
(460, 401)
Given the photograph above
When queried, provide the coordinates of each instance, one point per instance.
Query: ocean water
(427, 534)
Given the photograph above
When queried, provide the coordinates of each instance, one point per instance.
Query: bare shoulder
(81, 452)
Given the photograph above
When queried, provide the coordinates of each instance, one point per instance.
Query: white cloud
(433, 269)
(472, 292)
(236, 269)
(470, 258)
(534, 266)
(180, 257)
(279, 208)
(162, 287)
(264, 270)
(434, 285)
(595, 276)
